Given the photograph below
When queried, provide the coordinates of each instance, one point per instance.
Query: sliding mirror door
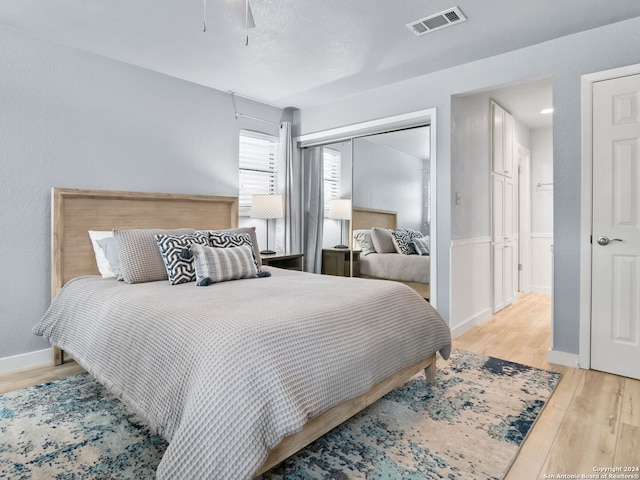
(391, 191)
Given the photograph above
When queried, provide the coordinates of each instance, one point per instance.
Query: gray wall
(72, 119)
(471, 177)
(564, 60)
(387, 179)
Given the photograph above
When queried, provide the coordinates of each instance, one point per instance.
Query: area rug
(470, 424)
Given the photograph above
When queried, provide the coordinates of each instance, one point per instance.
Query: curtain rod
(238, 114)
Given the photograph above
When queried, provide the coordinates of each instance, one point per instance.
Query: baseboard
(470, 323)
(564, 358)
(539, 289)
(25, 360)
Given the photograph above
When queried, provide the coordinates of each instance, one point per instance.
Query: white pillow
(101, 259)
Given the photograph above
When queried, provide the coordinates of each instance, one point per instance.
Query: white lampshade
(267, 206)
(340, 209)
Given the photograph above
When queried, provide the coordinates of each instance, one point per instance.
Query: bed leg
(58, 356)
(430, 372)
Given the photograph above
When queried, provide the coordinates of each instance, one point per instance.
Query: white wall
(564, 60)
(72, 119)
(470, 273)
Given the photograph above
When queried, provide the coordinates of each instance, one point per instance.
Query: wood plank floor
(592, 419)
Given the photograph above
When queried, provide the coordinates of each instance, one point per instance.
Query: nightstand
(337, 261)
(288, 261)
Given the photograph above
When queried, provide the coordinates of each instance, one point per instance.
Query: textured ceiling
(302, 52)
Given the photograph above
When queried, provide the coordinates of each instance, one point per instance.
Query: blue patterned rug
(469, 425)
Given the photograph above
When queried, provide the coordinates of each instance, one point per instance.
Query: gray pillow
(382, 240)
(422, 245)
(363, 239)
(140, 257)
(213, 265)
(230, 240)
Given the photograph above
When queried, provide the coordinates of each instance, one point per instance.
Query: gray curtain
(313, 209)
(288, 229)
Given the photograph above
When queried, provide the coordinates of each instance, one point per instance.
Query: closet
(504, 220)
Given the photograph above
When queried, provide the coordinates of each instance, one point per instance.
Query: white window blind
(258, 167)
(331, 166)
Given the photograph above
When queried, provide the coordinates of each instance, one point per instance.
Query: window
(331, 166)
(258, 167)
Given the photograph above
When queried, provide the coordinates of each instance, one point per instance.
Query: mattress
(395, 266)
(225, 372)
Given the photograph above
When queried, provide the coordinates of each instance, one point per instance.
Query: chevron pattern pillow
(232, 239)
(179, 269)
(403, 240)
(214, 264)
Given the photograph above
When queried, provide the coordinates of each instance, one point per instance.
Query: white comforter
(224, 372)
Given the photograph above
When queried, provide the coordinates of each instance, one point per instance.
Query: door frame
(524, 218)
(586, 231)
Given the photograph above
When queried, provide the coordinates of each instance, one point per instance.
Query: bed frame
(366, 218)
(75, 212)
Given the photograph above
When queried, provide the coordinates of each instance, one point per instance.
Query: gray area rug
(470, 424)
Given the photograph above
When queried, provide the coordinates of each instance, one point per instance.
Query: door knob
(605, 240)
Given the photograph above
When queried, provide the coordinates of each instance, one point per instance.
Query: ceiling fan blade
(241, 12)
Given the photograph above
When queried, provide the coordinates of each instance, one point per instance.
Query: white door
(615, 309)
(504, 241)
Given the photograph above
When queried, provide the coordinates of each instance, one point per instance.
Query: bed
(239, 375)
(412, 270)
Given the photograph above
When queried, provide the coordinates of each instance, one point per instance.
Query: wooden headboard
(366, 218)
(75, 212)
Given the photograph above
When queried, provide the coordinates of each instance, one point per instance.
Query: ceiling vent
(436, 22)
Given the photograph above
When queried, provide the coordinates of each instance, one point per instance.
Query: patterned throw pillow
(252, 233)
(421, 245)
(140, 258)
(403, 240)
(230, 239)
(213, 265)
(179, 269)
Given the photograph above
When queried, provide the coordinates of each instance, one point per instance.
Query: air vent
(436, 22)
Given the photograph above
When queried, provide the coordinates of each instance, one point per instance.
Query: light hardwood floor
(592, 419)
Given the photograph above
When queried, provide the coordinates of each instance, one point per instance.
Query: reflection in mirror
(391, 187)
(337, 168)
(336, 244)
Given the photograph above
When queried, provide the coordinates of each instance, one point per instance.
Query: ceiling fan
(240, 11)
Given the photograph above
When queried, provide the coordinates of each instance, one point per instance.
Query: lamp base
(340, 246)
(267, 252)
